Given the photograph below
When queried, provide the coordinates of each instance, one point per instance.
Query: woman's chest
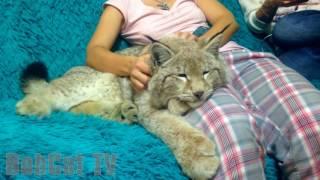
(183, 15)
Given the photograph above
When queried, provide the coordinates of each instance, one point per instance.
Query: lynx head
(185, 71)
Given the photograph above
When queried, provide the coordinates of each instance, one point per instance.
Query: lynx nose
(198, 94)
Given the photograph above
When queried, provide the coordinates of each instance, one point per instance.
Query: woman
(266, 108)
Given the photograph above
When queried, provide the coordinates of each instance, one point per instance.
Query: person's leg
(298, 36)
(289, 101)
(227, 121)
(305, 61)
(299, 29)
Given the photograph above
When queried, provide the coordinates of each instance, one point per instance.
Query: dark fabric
(298, 37)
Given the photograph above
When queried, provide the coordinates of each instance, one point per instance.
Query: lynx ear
(212, 45)
(160, 53)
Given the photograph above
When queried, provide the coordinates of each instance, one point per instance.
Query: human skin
(269, 8)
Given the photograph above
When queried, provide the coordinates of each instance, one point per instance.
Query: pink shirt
(142, 21)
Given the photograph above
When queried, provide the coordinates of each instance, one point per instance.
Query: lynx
(184, 74)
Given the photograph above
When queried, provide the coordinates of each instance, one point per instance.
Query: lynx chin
(184, 75)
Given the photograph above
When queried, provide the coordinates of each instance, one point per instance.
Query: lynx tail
(34, 77)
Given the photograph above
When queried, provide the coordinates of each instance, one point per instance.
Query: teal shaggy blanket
(66, 146)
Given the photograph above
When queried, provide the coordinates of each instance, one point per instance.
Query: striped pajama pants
(267, 108)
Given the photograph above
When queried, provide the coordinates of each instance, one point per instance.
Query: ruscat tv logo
(59, 164)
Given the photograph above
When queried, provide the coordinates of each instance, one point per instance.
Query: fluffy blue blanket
(57, 32)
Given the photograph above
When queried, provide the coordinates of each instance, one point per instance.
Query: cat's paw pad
(198, 157)
(33, 106)
(129, 111)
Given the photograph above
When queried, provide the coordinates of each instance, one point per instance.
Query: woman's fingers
(143, 64)
(136, 84)
(140, 73)
(140, 76)
(291, 2)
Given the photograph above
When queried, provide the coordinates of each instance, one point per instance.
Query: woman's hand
(140, 72)
(284, 3)
(269, 8)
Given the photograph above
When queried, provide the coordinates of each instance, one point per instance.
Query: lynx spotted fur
(184, 74)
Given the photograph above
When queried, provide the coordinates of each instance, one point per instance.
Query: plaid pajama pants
(266, 108)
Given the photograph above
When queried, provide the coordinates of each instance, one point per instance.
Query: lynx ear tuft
(212, 46)
(160, 53)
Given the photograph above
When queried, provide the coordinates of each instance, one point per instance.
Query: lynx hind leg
(100, 109)
(88, 107)
(33, 105)
(129, 111)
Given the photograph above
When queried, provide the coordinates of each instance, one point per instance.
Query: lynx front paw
(177, 107)
(197, 157)
(33, 106)
(129, 111)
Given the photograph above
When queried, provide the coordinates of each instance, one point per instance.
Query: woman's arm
(220, 17)
(269, 8)
(259, 19)
(100, 57)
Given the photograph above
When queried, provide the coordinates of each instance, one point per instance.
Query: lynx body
(184, 75)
